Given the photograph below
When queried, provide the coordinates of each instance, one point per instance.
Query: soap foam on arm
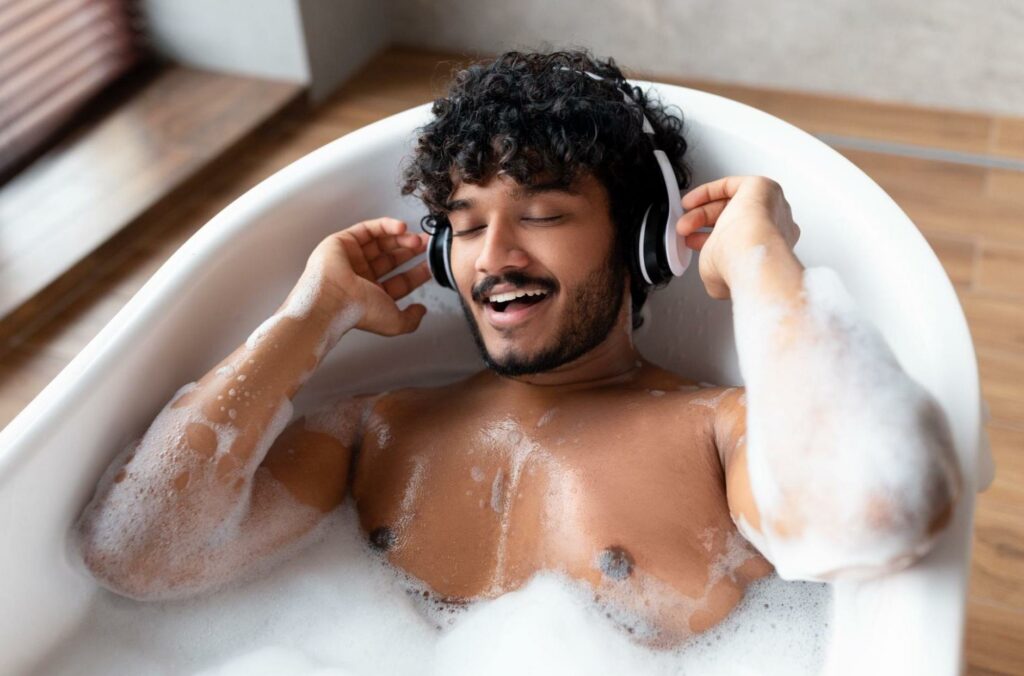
(850, 461)
(192, 503)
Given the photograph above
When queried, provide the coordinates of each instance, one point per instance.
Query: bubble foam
(849, 457)
(336, 608)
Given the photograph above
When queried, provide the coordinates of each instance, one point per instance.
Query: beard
(594, 307)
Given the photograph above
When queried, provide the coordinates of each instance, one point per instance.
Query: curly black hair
(536, 116)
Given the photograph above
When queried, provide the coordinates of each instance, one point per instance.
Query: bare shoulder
(710, 396)
(721, 408)
(400, 404)
(339, 417)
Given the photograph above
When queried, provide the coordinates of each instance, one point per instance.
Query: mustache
(516, 279)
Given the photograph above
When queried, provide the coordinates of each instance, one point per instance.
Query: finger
(355, 256)
(390, 244)
(411, 317)
(387, 262)
(723, 188)
(700, 217)
(697, 240)
(383, 264)
(415, 241)
(367, 231)
(403, 284)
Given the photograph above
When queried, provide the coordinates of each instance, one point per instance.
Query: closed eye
(470, 231)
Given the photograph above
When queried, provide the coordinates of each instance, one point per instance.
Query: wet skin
(473, 491)
(475, 486)
(607, 468)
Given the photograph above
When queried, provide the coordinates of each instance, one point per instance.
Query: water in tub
(335, 606)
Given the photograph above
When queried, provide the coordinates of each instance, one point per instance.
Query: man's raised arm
(220, 479)
(837, 462)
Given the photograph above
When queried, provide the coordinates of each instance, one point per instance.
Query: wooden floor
(972, 214)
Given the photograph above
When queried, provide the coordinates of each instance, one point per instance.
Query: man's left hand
(744, 212)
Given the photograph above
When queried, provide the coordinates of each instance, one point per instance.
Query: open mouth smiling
(508, 308)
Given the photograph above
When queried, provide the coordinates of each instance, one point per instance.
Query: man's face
(554, 244)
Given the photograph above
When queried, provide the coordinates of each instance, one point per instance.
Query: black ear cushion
(653, 247)
(438, 251)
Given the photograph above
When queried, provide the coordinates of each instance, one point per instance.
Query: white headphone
(661, 253)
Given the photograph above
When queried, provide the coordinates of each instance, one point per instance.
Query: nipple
(382, 538)
(615, 562)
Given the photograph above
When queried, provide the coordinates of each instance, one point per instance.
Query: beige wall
(228, 35)
(317, 42)
(941, 53)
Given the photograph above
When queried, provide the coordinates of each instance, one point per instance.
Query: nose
(500, 249)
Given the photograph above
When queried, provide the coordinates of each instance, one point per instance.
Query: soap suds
(378, 428)
(167, 506)
(546, 417)
(847, 455)
(289, 622)
(707, 537)
(498, 491)
(261, 332)
(410, 497)
(711, 402)
(506, 437)
(339, 419)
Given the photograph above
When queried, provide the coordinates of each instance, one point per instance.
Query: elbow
(131, 564)
(119, 576)
(904, 519)
(112, 569)
(859, 549)
(862, 497)
(904, 516)
(882, 545)
(113, 566)
(895, 531)
(891, 527)
(138, 578)
(905, 530)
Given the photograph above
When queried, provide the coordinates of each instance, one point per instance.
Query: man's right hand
(349, 262)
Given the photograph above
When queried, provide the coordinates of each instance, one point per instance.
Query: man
(571, 452)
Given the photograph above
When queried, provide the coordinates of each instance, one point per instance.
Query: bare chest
(621, 496)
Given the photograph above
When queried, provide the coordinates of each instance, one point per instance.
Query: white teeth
(512, 295)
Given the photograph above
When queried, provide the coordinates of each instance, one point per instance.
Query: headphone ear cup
(653, 258)
(439, 250)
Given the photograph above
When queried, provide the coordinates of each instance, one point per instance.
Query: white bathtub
(235, 271)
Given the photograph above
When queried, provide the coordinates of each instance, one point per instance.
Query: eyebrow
(517, 193)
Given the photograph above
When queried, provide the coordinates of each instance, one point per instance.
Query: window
(55, 55)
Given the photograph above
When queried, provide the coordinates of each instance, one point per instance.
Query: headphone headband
(660, 253)
(623, 87)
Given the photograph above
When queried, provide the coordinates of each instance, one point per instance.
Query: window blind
(55, 55)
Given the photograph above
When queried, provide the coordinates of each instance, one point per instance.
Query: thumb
(410, 317)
